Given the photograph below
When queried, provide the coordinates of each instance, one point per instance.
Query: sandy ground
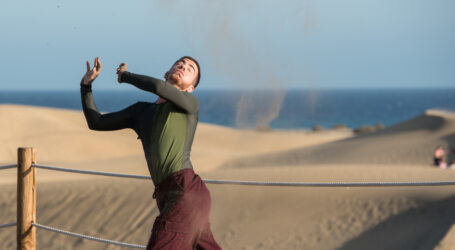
(243, 217)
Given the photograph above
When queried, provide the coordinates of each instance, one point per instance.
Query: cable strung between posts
(333, 184)
(133, 176)
(8, 225)
(8, 166)
(270, 183)
(55, 230)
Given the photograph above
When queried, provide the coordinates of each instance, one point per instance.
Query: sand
(243, 217)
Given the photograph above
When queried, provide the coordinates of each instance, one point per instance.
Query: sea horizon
(277, 109)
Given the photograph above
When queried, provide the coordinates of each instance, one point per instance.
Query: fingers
(98, 65)
(94, 65)
(121, 67)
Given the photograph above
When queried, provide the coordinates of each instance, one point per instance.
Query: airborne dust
(247, 46)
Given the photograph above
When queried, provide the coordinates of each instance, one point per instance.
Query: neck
(174, 84)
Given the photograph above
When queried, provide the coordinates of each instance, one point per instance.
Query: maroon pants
(183, 223)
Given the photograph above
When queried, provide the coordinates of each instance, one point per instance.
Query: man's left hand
(121, 68)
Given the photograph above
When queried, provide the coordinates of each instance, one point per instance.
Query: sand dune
(243, 217)
(408, 143)
(63, 138)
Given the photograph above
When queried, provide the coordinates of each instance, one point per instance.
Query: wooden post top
(26, 150)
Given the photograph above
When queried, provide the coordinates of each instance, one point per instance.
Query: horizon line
(251, 89)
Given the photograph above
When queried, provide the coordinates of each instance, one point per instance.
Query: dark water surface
(298, 109)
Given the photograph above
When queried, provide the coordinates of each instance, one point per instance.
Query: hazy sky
(240, 44)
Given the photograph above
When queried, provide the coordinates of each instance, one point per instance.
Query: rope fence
(266, 183)
(8, 166)
(255, 183)
(31, 166)
(55, 230)
(332, 184)
(132, 176)
(8, 225)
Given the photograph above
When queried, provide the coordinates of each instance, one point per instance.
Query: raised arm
(95, 120)
(183, 100)
(105, 122)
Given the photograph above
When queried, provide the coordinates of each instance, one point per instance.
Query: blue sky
(240, 44)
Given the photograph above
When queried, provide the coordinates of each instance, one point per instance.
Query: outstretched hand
(93, 73)
(121, 68)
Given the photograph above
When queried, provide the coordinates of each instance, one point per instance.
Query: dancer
(166, 129)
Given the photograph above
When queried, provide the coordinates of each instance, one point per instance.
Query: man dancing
(166, 129)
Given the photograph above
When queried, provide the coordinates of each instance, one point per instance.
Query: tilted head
(184, 74)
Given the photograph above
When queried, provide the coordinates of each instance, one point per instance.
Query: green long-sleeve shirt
(166, 130)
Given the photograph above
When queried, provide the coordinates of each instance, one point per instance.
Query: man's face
(183, 74)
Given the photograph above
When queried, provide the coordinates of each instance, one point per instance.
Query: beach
(242, 217)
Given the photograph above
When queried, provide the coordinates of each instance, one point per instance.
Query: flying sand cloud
(232, 33)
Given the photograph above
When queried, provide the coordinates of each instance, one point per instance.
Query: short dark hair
(198, 68)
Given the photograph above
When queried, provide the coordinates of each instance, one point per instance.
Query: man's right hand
(121, 68)
(93, 73)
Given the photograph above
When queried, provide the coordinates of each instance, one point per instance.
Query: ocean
(292, 109)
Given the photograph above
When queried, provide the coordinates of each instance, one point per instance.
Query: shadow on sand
(419, 228)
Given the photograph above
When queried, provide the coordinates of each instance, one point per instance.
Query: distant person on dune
(440, 157)
(166, 129)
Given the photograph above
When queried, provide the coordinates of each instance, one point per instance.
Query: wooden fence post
(26, 199)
